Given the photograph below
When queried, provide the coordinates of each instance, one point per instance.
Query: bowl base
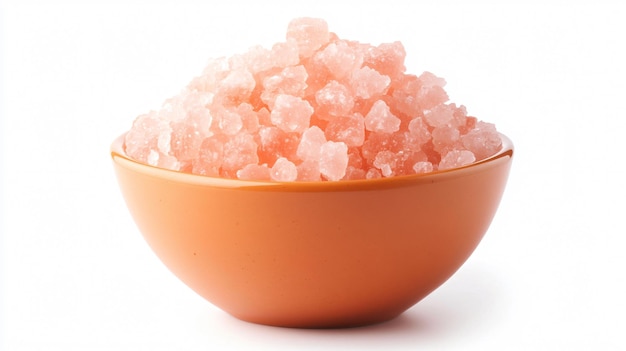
(329, 323)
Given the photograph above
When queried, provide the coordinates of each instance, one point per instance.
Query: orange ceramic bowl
(314, 254)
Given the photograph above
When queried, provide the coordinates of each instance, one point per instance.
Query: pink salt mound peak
(314, 107)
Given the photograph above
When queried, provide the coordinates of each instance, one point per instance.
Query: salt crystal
(354, 157)
(254, 172)
(318, 74)
(430, 80)
(445, 138)
(283, 170)
(333, 160)
(483, 140)
(310, 147)
(381, 120)
(290, 81)
(228, 122)
(459, 116)
(147, 135)
(354, 173)
(264, 116)
(341, 59)
(235, 87)
(153, 158)
(470, 123)
(431, 94)
(375, 143)
(334, 99)
(291, 113)
(367, 83)
(385, 161)
(348, 129)
(210, 156)
(309, 33)
(239, 151)
(456, 158)
(274, 143)
(285, 54)
(257, 59)
(406, 90)
(387, 58)
(214, 72)
(309, 170)
(249, 118)
(423, 167)
(185, 141)
(419, 130)
(373, 173)
(440, 116)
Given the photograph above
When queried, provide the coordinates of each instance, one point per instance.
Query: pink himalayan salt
(405, 94)
(148, 133)
(423, 167)
(373, 173)
(377, 142)
(445, 138)
(254, 171)
(387, 58)
(431, 93)
(210, 156)
(291, 113)
(482, 140)
(290, 81)
(348, 129)
(334, 99)
(456, 158)
(341, 59)
(236, 87)
(355, 165)
(333, 160)
(273, 143)
(309, 33)
(381, 120)
(227, 121)
(385, 161)
(446, 116)
(214, 72)
(249, 117)
(310, 147)
(309, 170)
(314, 107)
(419, 130)
(367, 83)
(283, 170)
(239, 151)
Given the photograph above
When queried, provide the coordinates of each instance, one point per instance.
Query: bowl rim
(119, 157)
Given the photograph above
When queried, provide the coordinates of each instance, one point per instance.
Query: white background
(75, 273)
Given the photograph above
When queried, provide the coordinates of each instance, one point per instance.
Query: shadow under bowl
(314, 254)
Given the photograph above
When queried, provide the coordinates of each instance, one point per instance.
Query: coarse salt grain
(314, 107)
(291, 113)
(283, 170)
(333, 160)
(381, 120)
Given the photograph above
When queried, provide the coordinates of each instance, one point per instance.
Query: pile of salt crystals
(315, 107)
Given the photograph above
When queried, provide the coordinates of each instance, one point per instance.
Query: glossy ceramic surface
(318, 254)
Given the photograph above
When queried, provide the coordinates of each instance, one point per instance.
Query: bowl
(313, 254)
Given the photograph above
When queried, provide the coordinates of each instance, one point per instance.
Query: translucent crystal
(333, 160)
(291, 113)
(283, 170)
(381, 120)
